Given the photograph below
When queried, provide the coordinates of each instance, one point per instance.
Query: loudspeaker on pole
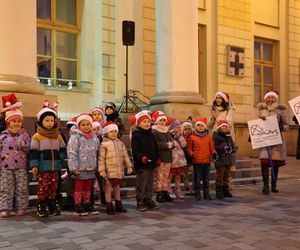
(128, 32)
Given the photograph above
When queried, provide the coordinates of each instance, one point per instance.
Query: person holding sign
(272, 156)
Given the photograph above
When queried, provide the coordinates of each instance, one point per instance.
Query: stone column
(177, 58)
(18, 47)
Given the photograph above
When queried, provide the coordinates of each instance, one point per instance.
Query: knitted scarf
(49, 133)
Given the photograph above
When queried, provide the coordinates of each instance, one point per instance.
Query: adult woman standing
(222, 109)
(277, 152)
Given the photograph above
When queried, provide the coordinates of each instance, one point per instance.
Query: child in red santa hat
(113, 157)
(98, 115)
(14, 146)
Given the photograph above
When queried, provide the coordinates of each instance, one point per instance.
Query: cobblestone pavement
(247, 221)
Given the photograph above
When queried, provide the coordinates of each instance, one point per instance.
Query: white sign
(264, 133)
(295, 105)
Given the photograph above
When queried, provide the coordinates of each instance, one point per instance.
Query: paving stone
(5, 244)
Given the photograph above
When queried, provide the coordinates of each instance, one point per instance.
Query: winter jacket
(178, 157)
(200, 148)
(163, 136)
(189, 159)
(144, 143)
(82, 154)
(14, 149)
(47, 154)
(228, 115)
(278, 152)
(222, 141)
(112, 158)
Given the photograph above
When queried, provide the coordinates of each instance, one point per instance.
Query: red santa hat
(158, 115)
(139, 117)
(96, 124)
(13, 114)
(222, 123)
(10, 102)
(97, 109)
(47, 110)
(201, 121)
(271, 92)
(84, 116)
(109, 126)
(224, 95)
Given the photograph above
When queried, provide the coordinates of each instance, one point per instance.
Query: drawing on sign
(257, 130)
(297, 108)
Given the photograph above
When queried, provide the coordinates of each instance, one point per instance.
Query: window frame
(261, 62)
(55, 26)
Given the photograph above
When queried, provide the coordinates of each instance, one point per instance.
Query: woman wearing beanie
(47, 152)
(271, 107)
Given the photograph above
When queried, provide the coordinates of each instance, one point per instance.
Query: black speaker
(128, 33)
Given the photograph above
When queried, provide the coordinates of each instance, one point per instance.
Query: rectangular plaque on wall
(236, 61)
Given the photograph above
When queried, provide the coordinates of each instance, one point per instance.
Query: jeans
(201, 172)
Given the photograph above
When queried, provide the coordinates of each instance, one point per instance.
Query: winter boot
(198, 196)
(179, 194)
(219, 193)
(110, 210)
(150, 204)
(160, 197)
(140, 206)
(274, 185)
(89, 208)
(265, 176)
(79, 210)
(54, 207)
(41, 209)
(226, 193)
(119, 207)
(167, 196)
(206, 195)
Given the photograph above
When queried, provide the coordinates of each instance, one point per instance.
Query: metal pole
(126, 79)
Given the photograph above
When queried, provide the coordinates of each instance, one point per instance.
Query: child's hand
(214, 156)
(76, 171)
(145, 160)
(102, 173)
(129, 170)
(34, 170)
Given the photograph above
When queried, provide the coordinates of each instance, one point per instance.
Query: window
(264, 67)
(57, 41)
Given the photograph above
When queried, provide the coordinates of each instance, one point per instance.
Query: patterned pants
(161, 177)
(13, 184)
(47, 185)
(83, 191)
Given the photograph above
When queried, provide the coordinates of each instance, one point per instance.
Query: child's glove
(129, 170)
(145, 160)
(214, 156)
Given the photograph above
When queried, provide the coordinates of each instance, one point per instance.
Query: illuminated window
(264, 67)
(57, 40)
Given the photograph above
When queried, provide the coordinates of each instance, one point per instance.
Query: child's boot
(79, 210)
(41, 209)
(226, 192)
(160, 197)
(119, 207)
(219, 193)
(140, 206)
(150, 204)
(4, 214)
(110, 210)
(179, 194)
(89, 208)
(274, 187)
(206, 195)
(54, 207)
(167, 196)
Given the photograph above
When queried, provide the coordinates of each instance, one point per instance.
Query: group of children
(162, 149)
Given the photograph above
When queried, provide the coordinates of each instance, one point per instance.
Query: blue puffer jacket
(46, 154)
(82, 154)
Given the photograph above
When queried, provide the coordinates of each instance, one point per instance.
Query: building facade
(184, 52)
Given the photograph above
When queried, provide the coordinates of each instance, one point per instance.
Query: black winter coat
(222, 140)
(144, 143)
